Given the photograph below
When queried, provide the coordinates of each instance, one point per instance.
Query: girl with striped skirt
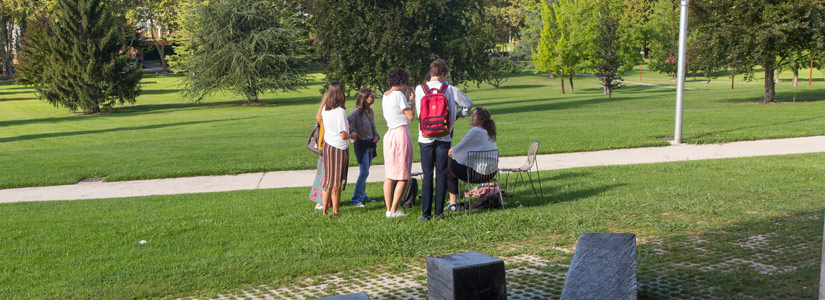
(336, 145)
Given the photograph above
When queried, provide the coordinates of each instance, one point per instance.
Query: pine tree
(244, 46)
(610, 60)
(82, 58)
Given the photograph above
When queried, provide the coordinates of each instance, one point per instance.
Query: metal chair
(482, 167)
(527, 168)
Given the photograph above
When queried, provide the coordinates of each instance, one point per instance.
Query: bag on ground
(412, 193)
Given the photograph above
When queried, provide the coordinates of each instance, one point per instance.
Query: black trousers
(433, 156)
(458, 172)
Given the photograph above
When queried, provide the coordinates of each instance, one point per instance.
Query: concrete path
(304, 178)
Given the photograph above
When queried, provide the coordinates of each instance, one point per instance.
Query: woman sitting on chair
(481, 137)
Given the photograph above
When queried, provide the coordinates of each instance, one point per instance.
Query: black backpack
(412, 193)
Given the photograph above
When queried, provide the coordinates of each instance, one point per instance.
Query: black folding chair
(482, 167)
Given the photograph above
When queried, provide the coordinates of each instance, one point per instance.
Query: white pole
(680, 86)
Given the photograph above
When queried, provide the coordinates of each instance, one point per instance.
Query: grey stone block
(468, 275)
(603, 267)
(357, 296)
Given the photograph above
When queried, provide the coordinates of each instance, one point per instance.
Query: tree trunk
(5, 57)
(562, 84)
(770, 87)
(604, 90)
(609, 93)
(571, 84)
(552, 76)
(795, 70)
(776, 76)
(732, 78)
(252, 96)
(162, 53)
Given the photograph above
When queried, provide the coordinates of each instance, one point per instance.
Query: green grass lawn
(163, 135)
(202, 244)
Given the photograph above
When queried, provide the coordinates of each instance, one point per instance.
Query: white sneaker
(389, 214)
(397, 214)
(319, 206)
(359, 204)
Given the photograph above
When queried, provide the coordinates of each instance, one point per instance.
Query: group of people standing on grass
(435, 152)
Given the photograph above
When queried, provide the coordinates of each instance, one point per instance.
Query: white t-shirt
(335, 121)
(450, 94)
(394, 105)
(475, 140)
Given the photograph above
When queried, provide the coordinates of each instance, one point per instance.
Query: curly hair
(397, 77)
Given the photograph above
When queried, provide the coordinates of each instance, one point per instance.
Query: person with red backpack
(436, 109)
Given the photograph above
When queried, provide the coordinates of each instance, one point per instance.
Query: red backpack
(434, 116)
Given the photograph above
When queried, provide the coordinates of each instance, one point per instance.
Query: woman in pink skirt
(398, 150)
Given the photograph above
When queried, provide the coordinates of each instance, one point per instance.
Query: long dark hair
(483, 116)
(334, 97)
(361, 101)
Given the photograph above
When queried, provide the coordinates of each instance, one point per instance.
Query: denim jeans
(433, 156)
(364, 155)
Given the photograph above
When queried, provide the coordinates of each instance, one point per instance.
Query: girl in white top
(336, 144)
(398, 149)
(481, 137)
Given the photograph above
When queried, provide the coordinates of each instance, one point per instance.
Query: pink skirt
(398, 153)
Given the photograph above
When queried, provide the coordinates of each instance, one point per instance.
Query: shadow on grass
(119, 129)
(518, 86)
(711, 134)
(783, 95)
(158, 91)
(767, 258)
(18, 98)
(572, 102)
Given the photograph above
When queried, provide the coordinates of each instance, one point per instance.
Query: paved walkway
(304, 178)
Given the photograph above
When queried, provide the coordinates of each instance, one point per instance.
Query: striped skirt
(398, 153)
(336, 165)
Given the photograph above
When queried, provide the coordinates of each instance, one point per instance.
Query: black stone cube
(468, 275)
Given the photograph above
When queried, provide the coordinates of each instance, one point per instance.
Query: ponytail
(490, 126)
(483, 116)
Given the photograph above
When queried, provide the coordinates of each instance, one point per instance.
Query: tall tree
(80, 54)
(610, 60)
(769, 31)
(663, 26)
(530, 31)
(244, 46)
(361, 39)
(567, 44)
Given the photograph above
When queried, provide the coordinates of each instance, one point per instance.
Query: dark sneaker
(423, 218)
(439, 217)
(451, 207)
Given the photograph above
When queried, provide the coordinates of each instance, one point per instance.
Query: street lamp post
(680, 86)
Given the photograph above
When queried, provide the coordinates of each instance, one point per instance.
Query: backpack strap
(443, 88)
(426, 89)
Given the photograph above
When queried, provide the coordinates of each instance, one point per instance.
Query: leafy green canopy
(360, 40)
(743, 34)
(244, 46)
(76, 58)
